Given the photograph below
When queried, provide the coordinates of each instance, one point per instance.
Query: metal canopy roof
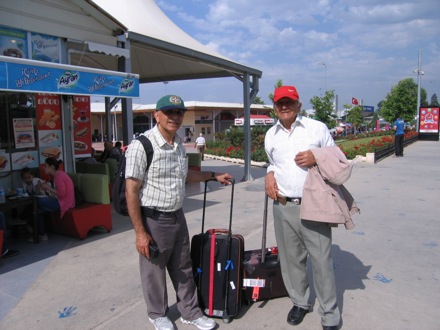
(160, 50)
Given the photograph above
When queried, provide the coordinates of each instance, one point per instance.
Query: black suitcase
(217, 257)
(262, 279)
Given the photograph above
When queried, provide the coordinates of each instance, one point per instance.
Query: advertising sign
(45, 48)
(368, 108)
(255, 121)
(49, 126)
(82, 132)
(24, 159)
(48, 112)
(428, 120)
(13, 43)
(37, 76)
(23, 132)
(5, 164)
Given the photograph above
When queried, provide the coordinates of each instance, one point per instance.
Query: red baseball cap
(285, 91)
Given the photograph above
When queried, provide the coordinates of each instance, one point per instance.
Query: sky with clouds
(367, 46)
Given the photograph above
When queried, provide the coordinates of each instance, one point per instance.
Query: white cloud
(367, 45)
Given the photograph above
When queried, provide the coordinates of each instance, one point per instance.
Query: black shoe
(10, 253)
(329, 327)
(296, 315)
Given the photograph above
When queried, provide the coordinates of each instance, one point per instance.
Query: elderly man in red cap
(154, 201)
(288, 145)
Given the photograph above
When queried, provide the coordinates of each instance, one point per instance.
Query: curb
(369, 158)
(237, 160)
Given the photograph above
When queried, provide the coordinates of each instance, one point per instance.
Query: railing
(386, 151)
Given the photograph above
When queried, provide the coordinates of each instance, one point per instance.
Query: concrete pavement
(387, 268)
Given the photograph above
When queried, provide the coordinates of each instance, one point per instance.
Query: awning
(109, 50)
(24, 75)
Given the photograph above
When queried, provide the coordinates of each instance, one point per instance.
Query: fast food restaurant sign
(36, 76)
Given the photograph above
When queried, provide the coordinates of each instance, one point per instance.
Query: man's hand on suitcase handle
(223, 178)
(271, 186)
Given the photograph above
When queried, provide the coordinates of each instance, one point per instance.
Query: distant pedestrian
(200, 144)
(399, 136)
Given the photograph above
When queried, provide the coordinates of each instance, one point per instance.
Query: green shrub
(230, 144)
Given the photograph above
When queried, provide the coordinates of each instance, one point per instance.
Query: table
(19, 202)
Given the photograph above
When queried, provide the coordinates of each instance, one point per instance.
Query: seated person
(5, 252)
(30, 183)
(62, 195)
(91, 159)
(108, 145)
(116, 152)
(30, 186)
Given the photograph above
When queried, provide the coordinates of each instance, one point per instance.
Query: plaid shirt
(163, 188)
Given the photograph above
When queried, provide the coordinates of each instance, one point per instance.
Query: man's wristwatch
(213, 176)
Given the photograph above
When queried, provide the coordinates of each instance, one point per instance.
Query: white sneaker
(202, 323)
(162, 323)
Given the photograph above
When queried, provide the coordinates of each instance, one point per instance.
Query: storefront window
(16, 106)
(18, 136)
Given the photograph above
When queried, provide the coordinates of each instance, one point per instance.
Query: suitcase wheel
(226, 320)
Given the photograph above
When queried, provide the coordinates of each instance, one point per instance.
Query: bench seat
(95, 211)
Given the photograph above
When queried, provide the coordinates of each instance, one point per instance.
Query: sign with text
(24, 132)
(82, 135)
(368, 108)
(428, 120)
(37, 76)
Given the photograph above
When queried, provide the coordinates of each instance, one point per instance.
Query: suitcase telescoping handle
(263, 238)
(232, 181)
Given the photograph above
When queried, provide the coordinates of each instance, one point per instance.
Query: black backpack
(118, 190)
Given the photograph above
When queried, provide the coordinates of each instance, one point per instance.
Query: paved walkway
(387, 268)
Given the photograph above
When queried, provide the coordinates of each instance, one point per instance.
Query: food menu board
(429, 120)
(49, 138)
(48, 112)
(5, 164)
(49, 125)
(82, 135)
(23, 133)
(24, 159)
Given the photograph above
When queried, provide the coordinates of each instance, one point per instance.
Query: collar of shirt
(160, 140)
(298, 121)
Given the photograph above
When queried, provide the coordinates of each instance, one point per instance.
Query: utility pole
(419, 75)
(325, 76)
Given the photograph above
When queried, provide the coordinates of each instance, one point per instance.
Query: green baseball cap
(169, 102)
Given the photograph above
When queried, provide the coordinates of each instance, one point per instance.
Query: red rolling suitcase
(262, 279)
(217, 257)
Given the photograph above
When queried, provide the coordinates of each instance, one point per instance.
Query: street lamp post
(325, 76)
(115, 126)
(419, 75)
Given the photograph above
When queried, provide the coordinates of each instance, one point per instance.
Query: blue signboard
(368, 108)
(35, 76)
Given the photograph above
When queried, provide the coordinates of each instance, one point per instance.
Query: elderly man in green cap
(154, 200)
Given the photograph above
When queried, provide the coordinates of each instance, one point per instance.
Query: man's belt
(152, 212)
(294, 200)
(283, 200)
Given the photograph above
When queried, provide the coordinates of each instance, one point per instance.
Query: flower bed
(350, 148)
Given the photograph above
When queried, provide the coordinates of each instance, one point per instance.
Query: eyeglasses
(287, 103)
(171, 112)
